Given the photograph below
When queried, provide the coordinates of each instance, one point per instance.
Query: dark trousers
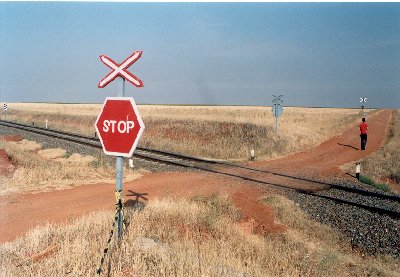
(363, 141)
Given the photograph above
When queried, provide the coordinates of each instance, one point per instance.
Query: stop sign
(119, 126)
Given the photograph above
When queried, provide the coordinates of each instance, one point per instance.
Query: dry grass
(189, 238)
(208, 131)
(384, 164)
(41, 170)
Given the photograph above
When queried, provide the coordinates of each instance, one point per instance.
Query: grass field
(201, 237)
(384, 164)
(232, 131)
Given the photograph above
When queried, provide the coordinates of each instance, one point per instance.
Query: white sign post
(5, 108)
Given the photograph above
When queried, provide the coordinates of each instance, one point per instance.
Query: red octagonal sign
(119, 126)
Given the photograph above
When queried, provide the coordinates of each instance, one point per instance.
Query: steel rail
(96, 142)
(145, 153)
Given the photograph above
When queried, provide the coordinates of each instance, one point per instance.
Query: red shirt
(363, 128)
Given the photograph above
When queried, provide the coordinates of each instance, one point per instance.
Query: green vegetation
(367, 180)
(67, 155)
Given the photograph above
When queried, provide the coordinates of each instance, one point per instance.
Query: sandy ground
(19, 213)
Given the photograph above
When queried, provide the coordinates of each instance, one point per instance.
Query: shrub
(366, 180)
(371, 182)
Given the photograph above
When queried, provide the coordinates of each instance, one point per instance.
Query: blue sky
(315, 54)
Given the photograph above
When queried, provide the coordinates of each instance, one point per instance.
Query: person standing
(363, 133)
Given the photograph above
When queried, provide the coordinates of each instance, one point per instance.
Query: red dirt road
(329, 155)
(19, 213)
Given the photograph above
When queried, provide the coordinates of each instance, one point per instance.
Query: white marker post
(131, 163)
(5, 108)
(358, 169)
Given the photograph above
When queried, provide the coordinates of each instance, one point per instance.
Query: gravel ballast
(370, 232)
(71, 147)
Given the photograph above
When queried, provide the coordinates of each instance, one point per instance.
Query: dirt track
(19, 213)
(329, 155)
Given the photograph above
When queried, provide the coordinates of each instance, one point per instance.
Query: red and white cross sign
(121, 70)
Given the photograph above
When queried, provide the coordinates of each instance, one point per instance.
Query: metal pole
(120, 161)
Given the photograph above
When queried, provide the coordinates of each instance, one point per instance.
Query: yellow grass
(52, 153)
(201, 237)
(41, 170)
(208, 131)
(384, 164)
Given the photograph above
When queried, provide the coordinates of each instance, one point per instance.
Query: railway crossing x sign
(121, 70)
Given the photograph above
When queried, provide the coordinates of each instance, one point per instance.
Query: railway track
(381, 203)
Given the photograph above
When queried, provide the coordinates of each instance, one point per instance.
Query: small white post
(131, 163)
(358, 169)
(252, 154)
(46, 123)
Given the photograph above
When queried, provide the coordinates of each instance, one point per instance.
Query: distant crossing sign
(362, 101)
(277, 109)
(277, 103)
